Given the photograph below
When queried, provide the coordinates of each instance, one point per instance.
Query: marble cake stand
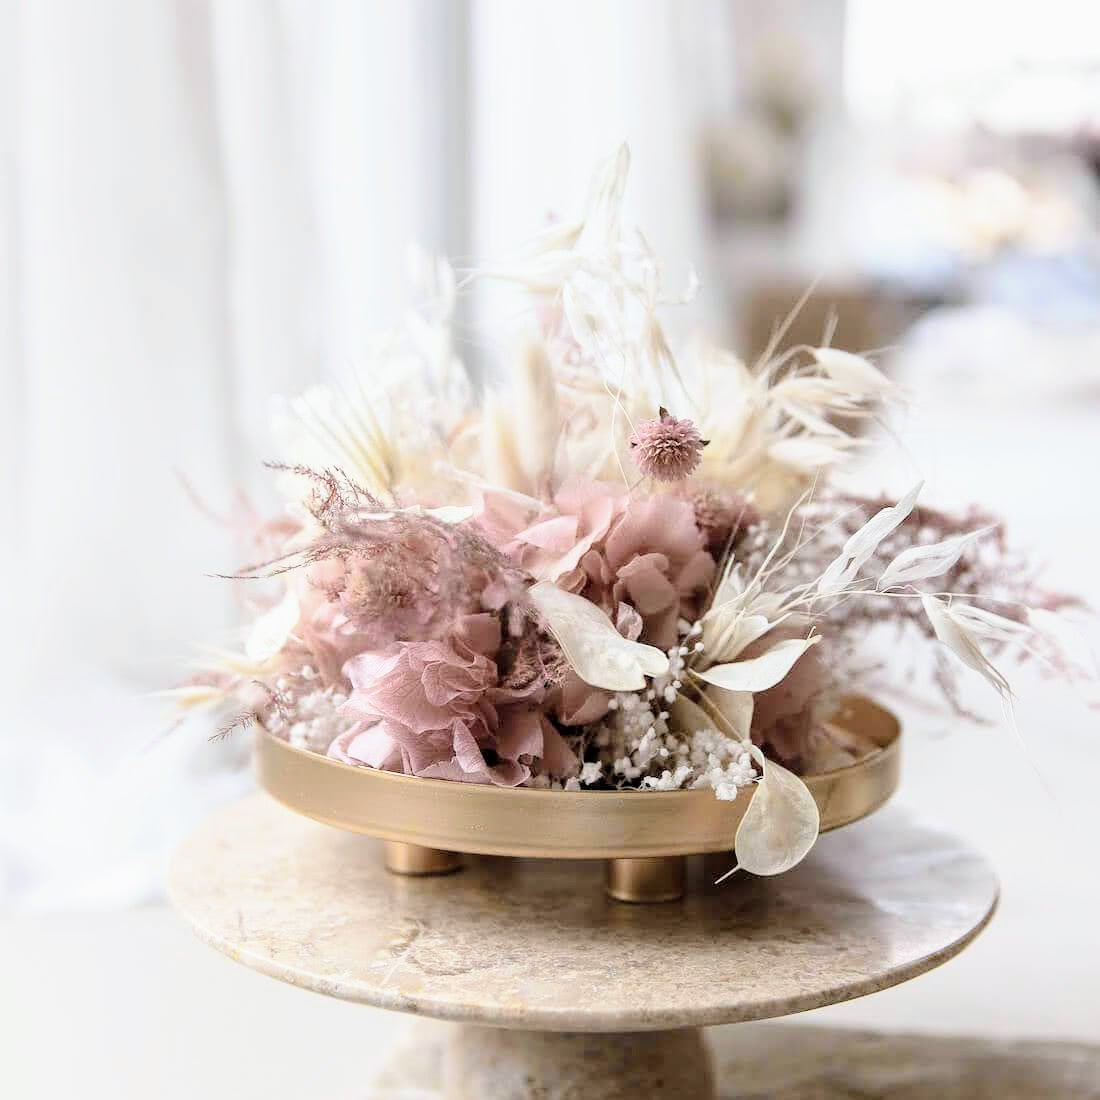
(557, 991)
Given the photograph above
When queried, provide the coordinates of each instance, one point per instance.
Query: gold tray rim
(525, 821)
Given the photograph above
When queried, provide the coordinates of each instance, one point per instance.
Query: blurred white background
(204, 204)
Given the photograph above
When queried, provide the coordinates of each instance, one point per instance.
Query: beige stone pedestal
(560, 991)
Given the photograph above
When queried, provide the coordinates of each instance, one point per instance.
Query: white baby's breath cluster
(313, 716)
(638, 747)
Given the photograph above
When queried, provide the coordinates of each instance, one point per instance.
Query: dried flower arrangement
(562, 584)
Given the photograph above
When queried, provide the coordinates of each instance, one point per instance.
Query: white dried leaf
(809, 453)
(814, 394)
(445, 513)
(191, 696)
(535, 414)
(227, 660)
(860, 546)
(736, 709)
(736, 595)
(272, 630)
(728, 630)
(686, 716)
(859, 375)
(583, 322)
(498, 447)
(781, 823)
(955, 634)
(601, 220)
(325, 427)
(541, 273)
(814, 422)
(599, 654)
(988, 624)
(433, 279)
(759, 673)
(451, 513)
(919, 563)
(1064, 638)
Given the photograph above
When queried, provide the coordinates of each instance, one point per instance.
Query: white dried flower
(592, 772)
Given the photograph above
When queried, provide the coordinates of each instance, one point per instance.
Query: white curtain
(204, 204)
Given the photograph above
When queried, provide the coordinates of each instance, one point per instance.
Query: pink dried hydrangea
(723, 515)
(438, 709)
(647, 554)
(667, 448)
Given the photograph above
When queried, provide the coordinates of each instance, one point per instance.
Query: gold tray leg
(412, 859)
(655, 878)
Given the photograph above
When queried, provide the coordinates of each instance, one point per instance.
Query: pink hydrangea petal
(505, 774)
(646, 583)
(449, 769)
(366, 668)
(557, 757)
(509, 774)
(628, 622)
(520, 734)
(503, 514)
(423, 750)
(662, 524)
(376, 749)
(338, 749)
(573, 581)
(466, 749)
(557, 534)
(697, 574)
(400, 699)
(579, 703)
(579, 493)
(481, 633)
(660, 628)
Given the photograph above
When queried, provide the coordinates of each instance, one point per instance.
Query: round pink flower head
(666, 447)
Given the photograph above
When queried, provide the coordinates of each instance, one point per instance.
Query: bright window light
(942, 64)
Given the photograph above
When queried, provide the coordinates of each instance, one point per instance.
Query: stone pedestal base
(794, 1062)
(532, 945)
(519, 1065)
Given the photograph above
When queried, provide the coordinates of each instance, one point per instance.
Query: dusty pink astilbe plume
(667, 447)
(372, 575)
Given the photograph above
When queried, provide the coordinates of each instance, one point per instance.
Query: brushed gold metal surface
(414, 859)
(521, 821)
(648, 879)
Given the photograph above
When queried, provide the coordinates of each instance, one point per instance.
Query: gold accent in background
(520, 821)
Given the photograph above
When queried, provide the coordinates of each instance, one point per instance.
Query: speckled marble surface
(796, 1062)
(537, 945)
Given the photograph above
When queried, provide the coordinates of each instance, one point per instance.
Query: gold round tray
(425, 819)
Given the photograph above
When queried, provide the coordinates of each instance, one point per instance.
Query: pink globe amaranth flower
(667, 448)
